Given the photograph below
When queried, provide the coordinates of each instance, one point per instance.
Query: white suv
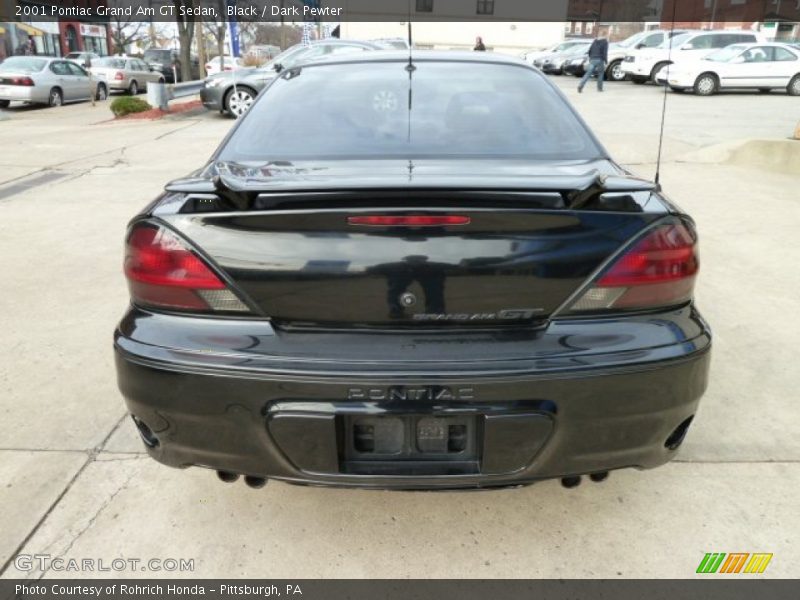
(643, 65)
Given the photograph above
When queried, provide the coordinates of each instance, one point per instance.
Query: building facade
(55, 38)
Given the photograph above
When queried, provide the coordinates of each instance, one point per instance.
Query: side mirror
(639, 46)
(278, 67)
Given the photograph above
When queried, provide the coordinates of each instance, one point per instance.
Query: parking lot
(76, 483)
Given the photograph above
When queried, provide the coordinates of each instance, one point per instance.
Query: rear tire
(793, 89)
(706, 84)
(56, 97)
(101, 93)
(655, 71)
(5, 103)
(614, 71)
(133, 88)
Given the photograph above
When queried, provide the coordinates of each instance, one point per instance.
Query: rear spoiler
(576, 192)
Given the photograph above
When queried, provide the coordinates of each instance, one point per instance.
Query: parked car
(168, 62)
(44, 80)
(761, 67)
(576, 66)
(234, 92)
(553, 64)
(644, 39)
(84, 59)
(536, 57)
(226, 63)
(464, 291)
(642, 65)
(126, 74)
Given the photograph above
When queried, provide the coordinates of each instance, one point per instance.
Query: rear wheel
(56, 98)
(4, 103)
(133, 88)
(706, 84)
(615, 72)
(102, 92)
(238, 101)
(656, 69)
(793, 89)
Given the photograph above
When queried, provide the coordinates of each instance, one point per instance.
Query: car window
(675, 41)
(59, 68)
(23, 63)
(783, 54)
(725, 54)
(140, 66)
(757, 54)
(654, 40)
(114, 63)
(704, 42)
(457, 110)
(77, 70)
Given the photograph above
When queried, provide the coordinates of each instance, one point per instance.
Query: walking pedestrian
(598, 57)
(479, 46)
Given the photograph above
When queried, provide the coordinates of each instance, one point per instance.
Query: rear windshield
(456, 109)
(23, 63)
(157, 55)
(114, 63)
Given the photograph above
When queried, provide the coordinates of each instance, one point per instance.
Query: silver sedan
(44, 80)
(125, 74)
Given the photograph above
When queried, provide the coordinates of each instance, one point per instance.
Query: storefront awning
(30, 30)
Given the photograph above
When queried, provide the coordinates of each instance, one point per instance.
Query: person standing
(479, 46)
(598, 57)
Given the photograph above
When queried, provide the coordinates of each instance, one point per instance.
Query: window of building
(424, 5)
(485, 7)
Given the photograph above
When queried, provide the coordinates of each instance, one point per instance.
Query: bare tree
(125, 32)
(217, 29)
(185, 36)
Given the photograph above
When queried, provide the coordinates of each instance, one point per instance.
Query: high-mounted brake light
(163, 272)
(409, 220)
(658, 270)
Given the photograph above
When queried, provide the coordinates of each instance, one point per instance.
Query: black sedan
(412, 273)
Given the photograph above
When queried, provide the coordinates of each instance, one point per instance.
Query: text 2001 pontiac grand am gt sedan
(412, 273)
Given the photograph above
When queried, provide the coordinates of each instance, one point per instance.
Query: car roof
(422, 55)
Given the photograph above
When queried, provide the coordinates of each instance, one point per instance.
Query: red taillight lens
(409, 220)
(26, 81)
(119, 76)
(163, 272)
(658, 270)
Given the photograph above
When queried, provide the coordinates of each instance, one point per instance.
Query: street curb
(781, 156)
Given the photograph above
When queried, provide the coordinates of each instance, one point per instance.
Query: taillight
(26, 81)
(163, 272)
(657, 271)
(119, 76)
(409, 220)
(208, 66)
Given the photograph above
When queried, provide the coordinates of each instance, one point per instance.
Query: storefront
(95, 38)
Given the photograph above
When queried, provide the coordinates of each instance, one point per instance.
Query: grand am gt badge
(510, 314)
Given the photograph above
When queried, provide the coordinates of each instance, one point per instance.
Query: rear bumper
(599, 405)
